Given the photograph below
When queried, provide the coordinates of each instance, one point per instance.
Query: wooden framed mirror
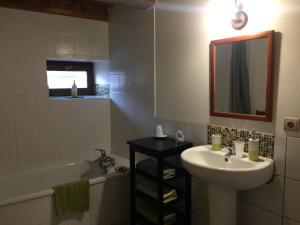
(241, 77)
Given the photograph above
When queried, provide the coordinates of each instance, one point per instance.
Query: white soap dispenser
(74, 90)
(253, 147)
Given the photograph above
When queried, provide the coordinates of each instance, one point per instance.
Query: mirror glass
(240, 72)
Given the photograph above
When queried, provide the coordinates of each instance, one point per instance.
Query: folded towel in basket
(151, 189)
(150, 166)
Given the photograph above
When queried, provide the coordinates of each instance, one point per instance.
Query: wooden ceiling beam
(143, 4)
(88, 9)
(74, 8)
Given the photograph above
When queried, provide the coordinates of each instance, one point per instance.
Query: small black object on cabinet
(166, 153)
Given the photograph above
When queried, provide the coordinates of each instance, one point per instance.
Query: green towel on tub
(72, 197)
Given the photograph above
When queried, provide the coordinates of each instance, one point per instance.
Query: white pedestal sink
(224, 177)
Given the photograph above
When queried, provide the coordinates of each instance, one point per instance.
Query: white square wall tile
(28, 213)
(87, 136)
(45, 42)
(6, 216)
(100, 45)
(28, 150)
(7, 126)
(290, 222)
(86, 152)
(25, 104)
(46, 105)
(26, 124)
(268, 196)
(23, 42)
(69, 138)
(5, 62)
(5, 38)
(279, 154)
(7, 106)
(292, 199)
(48, 122)
(6, 84)
(292, 158)
(25, 84)
(83, 45)
(21, 19)
(8, 152)
(65, 45)
(197, 133)
(69, 120)
(49, 148)
(69, 154)
(250, 215)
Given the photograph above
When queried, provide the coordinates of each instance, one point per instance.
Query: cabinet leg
(132, 187)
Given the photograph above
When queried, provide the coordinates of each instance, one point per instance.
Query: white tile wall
(8, 152)
(35, 130)
(292, 158)
(292, 199)
(268, 196)
(279, 154)
(289, 222)
(6, 215)
(196, 132)
(28, 150)
(249, 215)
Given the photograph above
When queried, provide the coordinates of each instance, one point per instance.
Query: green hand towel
(72, 197)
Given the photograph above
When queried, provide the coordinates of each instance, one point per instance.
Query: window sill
(84, 97)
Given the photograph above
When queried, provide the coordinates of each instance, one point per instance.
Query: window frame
(54, 65)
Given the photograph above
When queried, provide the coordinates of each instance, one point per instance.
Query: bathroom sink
(215, 168)
(225, 176)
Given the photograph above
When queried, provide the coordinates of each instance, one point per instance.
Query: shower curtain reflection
(239, 80)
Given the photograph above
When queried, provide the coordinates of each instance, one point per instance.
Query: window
(61, 75)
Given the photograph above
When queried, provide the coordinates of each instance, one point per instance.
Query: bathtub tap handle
(102, 152)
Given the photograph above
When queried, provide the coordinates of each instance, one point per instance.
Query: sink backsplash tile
(266, 144)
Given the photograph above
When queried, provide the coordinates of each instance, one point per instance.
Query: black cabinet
(165, 156)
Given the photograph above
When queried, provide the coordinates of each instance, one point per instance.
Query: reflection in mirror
(240, 75)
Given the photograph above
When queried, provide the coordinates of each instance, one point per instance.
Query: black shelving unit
(166, 152)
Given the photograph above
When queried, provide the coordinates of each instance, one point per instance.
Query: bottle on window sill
(74, 90)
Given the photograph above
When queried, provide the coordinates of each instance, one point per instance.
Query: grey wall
(183, 33)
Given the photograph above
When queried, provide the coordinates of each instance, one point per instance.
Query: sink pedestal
(222, 205)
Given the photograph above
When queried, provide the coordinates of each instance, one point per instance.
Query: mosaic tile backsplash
(266, 143)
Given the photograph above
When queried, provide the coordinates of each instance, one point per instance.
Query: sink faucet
(104, 161)
(230, 148)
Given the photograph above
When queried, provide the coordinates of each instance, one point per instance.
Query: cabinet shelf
(167, 155)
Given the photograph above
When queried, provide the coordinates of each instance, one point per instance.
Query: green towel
(72, 197)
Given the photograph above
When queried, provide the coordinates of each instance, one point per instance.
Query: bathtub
(26, 198)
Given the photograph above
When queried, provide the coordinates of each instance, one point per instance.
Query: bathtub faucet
(104, 161)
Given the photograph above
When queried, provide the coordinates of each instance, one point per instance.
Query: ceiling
(89, 9)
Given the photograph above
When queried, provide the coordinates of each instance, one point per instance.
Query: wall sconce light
(240, 17)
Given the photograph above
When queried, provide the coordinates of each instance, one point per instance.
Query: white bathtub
(26, 198)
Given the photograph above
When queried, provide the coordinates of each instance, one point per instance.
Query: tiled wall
(108, 206)
(131, 77)
(276, 203)
(35, 130)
